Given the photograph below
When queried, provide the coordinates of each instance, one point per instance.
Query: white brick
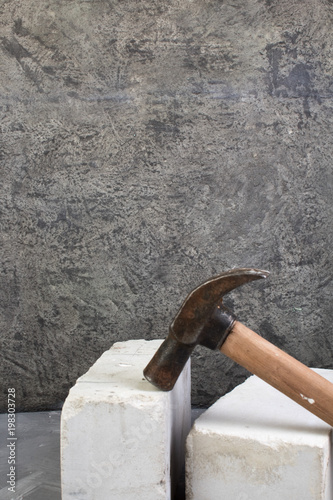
(121, 438)
(255, 444)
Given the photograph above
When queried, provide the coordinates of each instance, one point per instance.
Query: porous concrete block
(121, 438)
(255, 443)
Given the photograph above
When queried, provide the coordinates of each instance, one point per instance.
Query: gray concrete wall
(147, 146)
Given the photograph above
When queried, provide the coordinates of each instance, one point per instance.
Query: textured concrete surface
(146, 146)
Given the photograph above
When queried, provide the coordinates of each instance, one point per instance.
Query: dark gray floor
(37, 456)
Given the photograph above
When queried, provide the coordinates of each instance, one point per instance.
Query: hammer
(204, 320)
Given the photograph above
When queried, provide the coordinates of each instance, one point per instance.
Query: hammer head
(202, 319)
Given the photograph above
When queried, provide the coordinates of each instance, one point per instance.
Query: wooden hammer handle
(280, 370)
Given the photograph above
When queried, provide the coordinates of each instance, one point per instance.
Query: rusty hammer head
(202, 319)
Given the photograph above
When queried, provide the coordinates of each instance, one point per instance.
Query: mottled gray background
(147, 146)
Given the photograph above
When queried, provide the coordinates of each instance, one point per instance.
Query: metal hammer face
(201, 320)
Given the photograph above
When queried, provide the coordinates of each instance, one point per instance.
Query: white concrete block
(257, 444)
(121, 438)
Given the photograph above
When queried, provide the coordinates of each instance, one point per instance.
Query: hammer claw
(199, 305)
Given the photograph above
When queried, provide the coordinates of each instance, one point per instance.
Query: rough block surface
(120, 436)
(255, 443)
